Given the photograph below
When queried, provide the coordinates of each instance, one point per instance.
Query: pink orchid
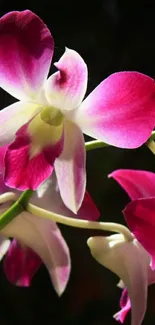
(38, 239)
(140, 213)
(130, 262)
(45, 128)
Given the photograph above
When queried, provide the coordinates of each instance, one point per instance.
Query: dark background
(111, 35)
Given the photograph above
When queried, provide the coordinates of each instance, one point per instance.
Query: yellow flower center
(45, 129)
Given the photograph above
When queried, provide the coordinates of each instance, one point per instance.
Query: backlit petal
(21, 264)
(66, 88)
(27, 163)
(119, 256)
(125, 305)
(70, 168)
(137, 183)
(140, 217)
(120, 111)
(3, 187)
(44, 238)
(48, 196)
(26, 49)
(13, 117)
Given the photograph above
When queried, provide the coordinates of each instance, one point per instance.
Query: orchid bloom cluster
(43, 163)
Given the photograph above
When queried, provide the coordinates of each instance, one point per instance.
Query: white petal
(13, 117)
(66, 88)
(45, 239)
(130, 262)
(70, 167)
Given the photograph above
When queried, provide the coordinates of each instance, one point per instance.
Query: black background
(111, 36)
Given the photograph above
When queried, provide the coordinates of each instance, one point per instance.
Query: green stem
(152, 137)
(15, 209)
(10, 214)
(80, 223)
(95, 144)
(24, 198)
(151, 145)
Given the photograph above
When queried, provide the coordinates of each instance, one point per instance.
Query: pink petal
(2, 166)
(3, 187)
(44, 238)
(23, 171)
(140, 217)
(48, 196)
(26, 49)
(21, 264)
(137, 183)
(66, 88)
(120, 111)
(13, 117)
(70, 168)
(129, 261)
(88, 209)
(125, 305)
(2, 156)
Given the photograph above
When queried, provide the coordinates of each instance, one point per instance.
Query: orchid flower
(36, 239)
(140, 213)
(130, 262)
(45, 127)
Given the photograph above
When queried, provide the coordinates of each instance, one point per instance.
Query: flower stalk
(22, 204)
(152, 137)
(80, 223)
(8, 196)
(151, 145)
(95, 144)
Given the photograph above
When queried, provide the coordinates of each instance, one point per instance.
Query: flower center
(45, 129)
(52, 116)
